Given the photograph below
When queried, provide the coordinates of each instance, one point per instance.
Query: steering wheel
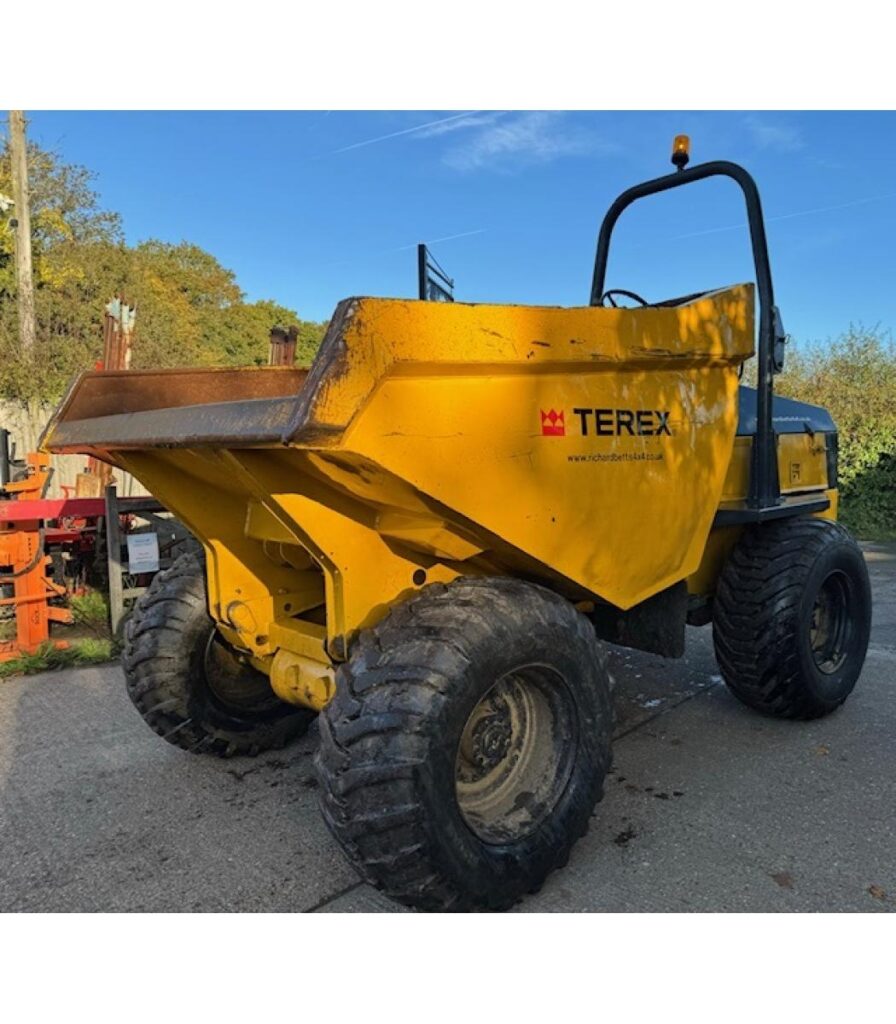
(608, 296)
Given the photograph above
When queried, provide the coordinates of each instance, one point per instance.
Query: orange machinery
(25, 562)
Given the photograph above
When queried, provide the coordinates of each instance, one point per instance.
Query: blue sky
(310, 207)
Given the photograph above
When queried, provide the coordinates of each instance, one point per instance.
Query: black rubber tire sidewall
(450, 867)
(164, 664)
(491, 864)
(763, 610)
(831, 689)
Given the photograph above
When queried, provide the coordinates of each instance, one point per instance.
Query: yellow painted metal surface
(300, 680)
(718, 546)
(833, 497)
(300, 670)
(588, 448)
(586, 439)
(802, 465)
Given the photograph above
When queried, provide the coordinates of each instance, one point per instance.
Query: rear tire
(792, 617)
(467, 744)
(189, 685)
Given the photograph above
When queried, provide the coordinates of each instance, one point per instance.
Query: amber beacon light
(681, 151)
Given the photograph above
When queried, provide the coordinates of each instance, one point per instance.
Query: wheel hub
(233, 682)
(830, 628)
(515, 755)
(487, 738)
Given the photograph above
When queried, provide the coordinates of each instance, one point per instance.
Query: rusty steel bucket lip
(109, 392)
(252, 422)
(175, 407)
(105, 411)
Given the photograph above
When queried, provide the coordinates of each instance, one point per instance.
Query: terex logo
(613, 422)
(610, 422)
(553, 423)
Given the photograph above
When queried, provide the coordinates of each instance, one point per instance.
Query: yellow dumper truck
(423, 540)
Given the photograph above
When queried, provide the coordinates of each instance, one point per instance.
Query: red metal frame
(50, 508)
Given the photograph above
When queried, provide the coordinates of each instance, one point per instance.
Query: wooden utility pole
(22, 214)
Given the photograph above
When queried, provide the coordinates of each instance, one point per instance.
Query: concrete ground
(709, 807)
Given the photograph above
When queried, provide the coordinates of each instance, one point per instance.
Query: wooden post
(283, 346)
(24, 280)
(292, 340)
(279, 339)
(113, 554)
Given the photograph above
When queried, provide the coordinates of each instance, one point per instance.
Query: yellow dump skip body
(586, 448)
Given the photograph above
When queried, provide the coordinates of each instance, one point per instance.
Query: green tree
(65, 215)
(190, 309)
(243, 333)
(854, 378)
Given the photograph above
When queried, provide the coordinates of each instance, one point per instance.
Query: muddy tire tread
(756, 620)
(158, 660)
(376, 734)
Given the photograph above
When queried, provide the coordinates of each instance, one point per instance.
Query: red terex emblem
(552, 424)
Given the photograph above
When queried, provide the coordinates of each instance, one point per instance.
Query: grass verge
(87, 650)
(91, 611)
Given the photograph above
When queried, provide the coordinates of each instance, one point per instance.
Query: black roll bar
(432, 281)
(764, 485)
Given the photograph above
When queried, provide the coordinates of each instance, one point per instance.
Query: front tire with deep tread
(792, 617)
(188, 685)
(392, 790)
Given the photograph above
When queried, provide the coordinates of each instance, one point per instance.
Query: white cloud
(506, 140)
(782, 137)
(499, 139)
(430, 127)
(475, 119)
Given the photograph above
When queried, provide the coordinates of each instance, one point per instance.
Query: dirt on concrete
(709, 807)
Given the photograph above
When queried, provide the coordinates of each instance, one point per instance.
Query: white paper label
(143, 553)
